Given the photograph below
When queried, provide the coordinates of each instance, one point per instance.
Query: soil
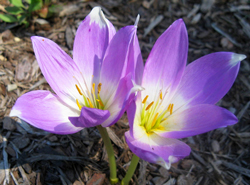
(32, 156)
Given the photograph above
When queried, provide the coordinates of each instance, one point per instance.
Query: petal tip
(236, 58)
(137, 20)
(97, 16)
(14, 112)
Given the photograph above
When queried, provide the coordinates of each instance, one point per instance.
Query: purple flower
(178, 100)
(91, 89)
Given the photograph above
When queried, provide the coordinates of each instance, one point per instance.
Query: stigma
(90, 98)
(153, 113)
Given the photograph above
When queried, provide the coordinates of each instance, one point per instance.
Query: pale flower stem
(131, 170)
(110, 151)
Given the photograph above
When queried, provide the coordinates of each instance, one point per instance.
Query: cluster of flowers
(165, 100)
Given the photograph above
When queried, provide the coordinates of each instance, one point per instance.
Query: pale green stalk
(110, 151)
(131, 170)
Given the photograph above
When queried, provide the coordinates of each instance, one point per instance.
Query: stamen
(78, 104)
(90, 104)
(154, 120)
(171, 109)
(93, 88)
(148, 107)
(79, 91)
(99, 87)
(161, 95)
(100, 102)
(145, 99)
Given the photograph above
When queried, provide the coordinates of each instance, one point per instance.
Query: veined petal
(115, 62)
(208, 79)
(196, 120)
(91, 41)
(90, 117)
(58, 68)
(166, 62)
(135, 62)
(46, 111)
(120, 102)
(156, 149)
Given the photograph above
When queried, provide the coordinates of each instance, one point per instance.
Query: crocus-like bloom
(178, 100)
(91, 89)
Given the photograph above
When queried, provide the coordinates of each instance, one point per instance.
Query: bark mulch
(32, 156)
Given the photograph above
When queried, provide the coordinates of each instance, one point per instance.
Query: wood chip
(11, 87)
(207, 5)
(69, 10)
(237, 168)
(115, 138)
(5, 160)
(216, 28)
(8, 124)
(154, 23)
(97, 179)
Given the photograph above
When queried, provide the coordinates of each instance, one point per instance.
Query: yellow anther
(90, 104)
(148, 107)
(99, 87)
(78, 104)
(80, 92)
(161, 95)
(93, 88)
(154, 120)
(171, 109)
(145, 99)
(100, 102)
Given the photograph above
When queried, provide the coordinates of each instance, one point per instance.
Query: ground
(32, 156)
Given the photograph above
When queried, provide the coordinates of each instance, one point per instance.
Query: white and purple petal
(156, 149)
(115, 63)
(91, 41)
(166, 62)
(208, 79)
(90, 117)
(196, 120)
(46, 111)
(58, 68)
(120, 101)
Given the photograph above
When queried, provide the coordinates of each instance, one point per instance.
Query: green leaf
(17, 3)
(14, 10)
(8, 18)
(21, 18)
(28, 1)
(35, 5)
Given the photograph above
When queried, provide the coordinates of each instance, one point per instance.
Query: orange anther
(171, 109)
(78, 104)
(154, 120)
(90, 104)
(145, 99)
(100, 102)
(78, 89)
(148, 107)
(99, 87)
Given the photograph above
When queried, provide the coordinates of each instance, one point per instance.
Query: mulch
(32, 156)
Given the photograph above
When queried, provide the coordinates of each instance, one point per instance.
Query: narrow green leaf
(8, 18)
(17, 3)
(14, 10)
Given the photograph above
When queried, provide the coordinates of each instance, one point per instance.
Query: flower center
(90, 99)
(152, 116)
